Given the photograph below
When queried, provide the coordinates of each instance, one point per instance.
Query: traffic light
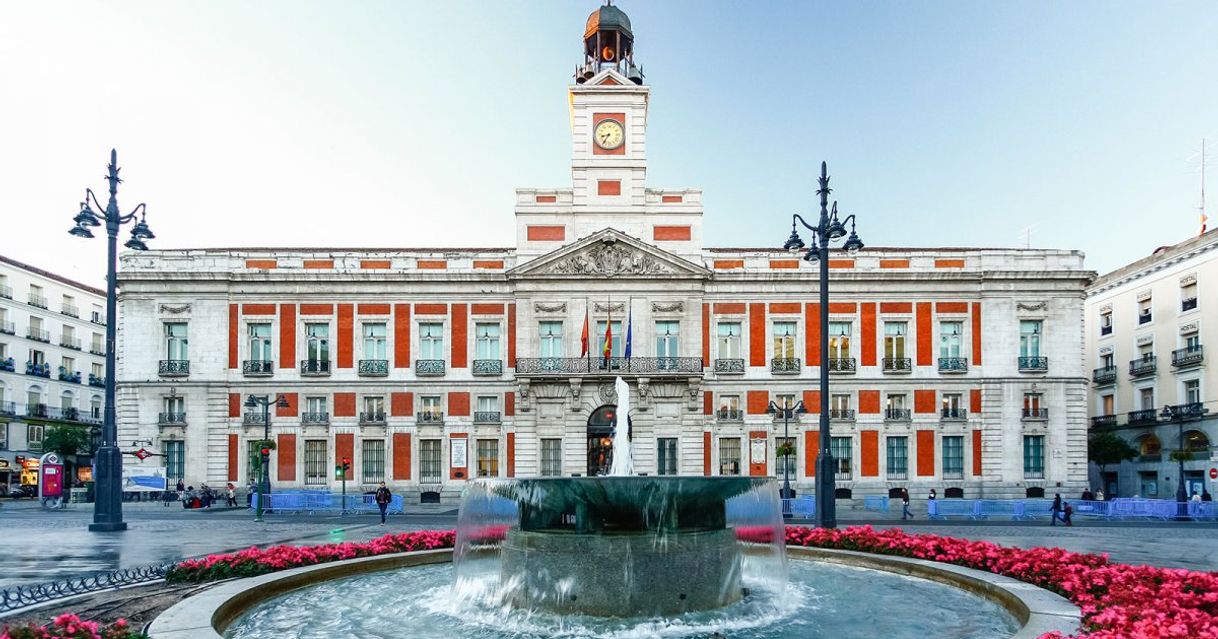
(346, 464)
(338, 471)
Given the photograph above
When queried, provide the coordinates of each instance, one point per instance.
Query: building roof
(49, 275)
(608, 18)
(1160, 254)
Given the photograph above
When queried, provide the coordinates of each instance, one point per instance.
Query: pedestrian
(383, 497)
(932, 496)
(1196, 499)
(181, 487)
(249, 494)
(1068, 510)
(1205, 495)
(1055, 511)
(205, 496)
(188, 498)
(1088, 495)
(905, 505)
(1099, 495)
(232, 495)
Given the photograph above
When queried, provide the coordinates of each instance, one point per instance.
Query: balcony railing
(174, 368)
(841, 413)
(843, 475)
(253, 419)
(38, 300)
(70, 311)
(1104, 375)
(786, 365)
(97, 349)
(372, 417)
(487, 417)
(6, 292)
(38, 370)
(897, 365)
(36, 410)
(1036, 413)
(38, 335)
(568, 366)
(842, 365)
(954, 413)
(98, 319)
(8, 364)
(257, 367)
(314, 367)
(729, 366)
(1033, 364)
(69, 342)
(1144, 365)
(430, 417)
(730, 415)
(373, 367)
(429, 367)
(1104, 421)
(953, 364)
(8, 328)
(1191, 410)
(488, 367)
(315, 418)
(97, 382)
(1190, 356)
(66, 375)
(1144, 318)
(8, 409)
(1143, 417)
(171, 419)
(1106, 330)
(896, 414)
(1188, 304)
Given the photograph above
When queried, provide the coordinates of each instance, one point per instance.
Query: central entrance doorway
(600, 440)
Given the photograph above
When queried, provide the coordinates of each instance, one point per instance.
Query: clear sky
(392, 123)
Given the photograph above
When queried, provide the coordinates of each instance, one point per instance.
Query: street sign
(1214, 473)
(142, 454)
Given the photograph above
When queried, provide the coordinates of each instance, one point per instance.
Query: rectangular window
(1146, 351)
(729, 455)
(260, 342)
(316, 405)
(1032, 403)
(898, 401)
(431, 341)
(894, 339)
(898, 457)
(317, 338)
(551, 339)
(839, 340)
(431, 462)
(68, 364)
(668, 339)
(1108, 404)
(950, 339)
(374, 407)
(34, 435)
(596, 343)
(729, 407)
(175, 460)
(176, 341)
(551, 457)
(953, 456)
(174, 404)
(840, 448)
(373, 457)
(1144, 314)
(99, 344)
(729, 340)
(1107, 361)
(785, 335)
(430, 405)
(488, 403)
(374, 341)
(1192, 391)
(488, 457)
(4, 436)
(1034, 456)
(1029, 338)
(1192, 342)
(666, 456)
(840, 402)
(953, 401)
(1188, 297)
(486, 345)
(1147, 397)
(1106, 323)
(316, 471)
(785, 464)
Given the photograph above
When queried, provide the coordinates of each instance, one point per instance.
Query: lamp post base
(108, 526)
(108, 495)
(826, 492)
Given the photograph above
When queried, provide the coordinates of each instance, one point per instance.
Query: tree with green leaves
(1108, 448)
(67, 440)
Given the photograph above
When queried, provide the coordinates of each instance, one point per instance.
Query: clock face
(609, 134)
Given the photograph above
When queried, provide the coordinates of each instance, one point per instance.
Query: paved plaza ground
(38, 546)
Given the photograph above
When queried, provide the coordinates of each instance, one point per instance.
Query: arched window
(1149, 445)
(3, 392)
(33, 395)
(1196, 441)
(67, 400)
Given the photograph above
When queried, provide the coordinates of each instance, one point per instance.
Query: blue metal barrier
(944, 508)
(879, 503)
(1098, 509)
(1011, 508)
(800, 506)
(1202, 510)
(1123, 508)
(319, 502)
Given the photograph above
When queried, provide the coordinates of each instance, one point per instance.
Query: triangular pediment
(609, 77)
(609, 253)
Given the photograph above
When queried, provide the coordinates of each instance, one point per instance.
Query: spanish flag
(583, 338)
(608, 341)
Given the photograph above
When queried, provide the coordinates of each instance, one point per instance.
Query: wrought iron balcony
(174, 368)
(785, 365)
(254, 419)
(97, 349)
(1144, 365)
(729, 366)
(1106, 330)
(1144, 317)
(953, 364)
(66, 375)
(1191, 410)
(8, 409)
(841, 413)
(95, 381)
(488, 367)
(70, 310)
(69, 342)
(429, 367)
(38, 335)
(98, 319)
(372, 417)
(842, 365)
(6, 292)
(953, 413)
(896, 414)
(571, 366)
(7, 364)
(314, 367)
(38, 370)
(1144, 417)
(1190, 356)
(897, 365)
(1033, 364)
(730, 415)
(171, 419)
(430, 417)
(36, 410)
(8, 328)
(38, 300)
(1104, 421)
(373, 367)
(92, 417)
(315, 418)
(1104, 375)
(1188, 304)
(257, 367)
(487, 417)
(1035, 414)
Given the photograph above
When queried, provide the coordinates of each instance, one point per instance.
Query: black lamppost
(264, 482)
(108, 497)
(789, 412)
(829, 229)
(1180, 414)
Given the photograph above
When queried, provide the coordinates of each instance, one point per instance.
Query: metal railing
(18, 597)
(490, 367)
(785, 365)
(372, 417)
(1106, 330)
(897, 365)
(897, 414)
(69, 342)
(6, 292)
(8, 364)
(1188, 410)
(841, 413)
(430, 417)
(1188, 304)
(97, 382)
(257, 367)
(1036, 413)
(66, 375)
(38, 370)
(97, 349)
(70, 310)
(171, 419)
(953, 364)
(730, 415)
(953, 413)
(1104, 375)
(1103, 421)
(253, 419)
(1142, 417)
(1144, 365)
(429, 367)
(1036, 364)
(98, 319)
(174, 368)
(37, 300)
(615, 365)
(38, 335)
(1144, 318)
(487, 417)
(315, 418)
(314, 367)
(1188, 356)
(8, 328)
(373, 367)
(842, 365)
(36, 410)
(729, 366)
(8, 409)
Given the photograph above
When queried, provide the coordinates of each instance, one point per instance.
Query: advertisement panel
(138, 478)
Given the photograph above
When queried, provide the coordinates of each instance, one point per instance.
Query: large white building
(954, 368)
(52, 365)
(1147, 325)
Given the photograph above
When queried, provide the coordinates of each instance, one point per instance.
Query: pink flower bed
(1118, 601)
(72, 627)
(258, 561)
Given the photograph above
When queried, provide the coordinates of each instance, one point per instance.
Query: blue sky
(410, 124)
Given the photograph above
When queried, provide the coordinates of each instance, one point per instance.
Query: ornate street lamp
(828, 230)
(789, 412)
(264, 482)
(108, 501)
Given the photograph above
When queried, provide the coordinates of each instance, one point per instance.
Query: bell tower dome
(608, 44)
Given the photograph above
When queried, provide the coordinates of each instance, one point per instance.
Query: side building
(52, 366)
(1153, 384)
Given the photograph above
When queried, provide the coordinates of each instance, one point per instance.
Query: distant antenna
(1026, 234)
(1201, 208)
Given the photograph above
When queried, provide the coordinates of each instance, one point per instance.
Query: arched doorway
(600, 440)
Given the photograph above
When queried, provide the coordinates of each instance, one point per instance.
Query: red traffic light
(346, 460)
(266, 451)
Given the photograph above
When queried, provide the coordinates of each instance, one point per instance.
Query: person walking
(1099, 495)
(383, 497)
(905, 505)
(1067, 511)
(1055, 511)
(230, 491)
(1205, 495)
